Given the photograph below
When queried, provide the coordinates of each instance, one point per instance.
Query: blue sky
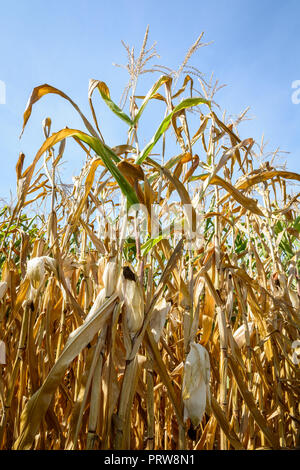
(64, 43)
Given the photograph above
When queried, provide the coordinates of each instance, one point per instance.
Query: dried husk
(36, 269)
(131, 293)
(110, 276)
(195, 390)
(3, 289)
(100, 299)
(240, 334)
(158, 318)
(2, 352)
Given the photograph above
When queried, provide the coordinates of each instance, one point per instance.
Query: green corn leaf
(149, 244)
(106, 155)
(163, 79)
(103, 151)
(187, 103)
(105, 94)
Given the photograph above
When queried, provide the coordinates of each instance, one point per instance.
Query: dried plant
(98, 322)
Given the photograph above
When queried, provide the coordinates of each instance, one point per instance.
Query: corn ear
(195, 393)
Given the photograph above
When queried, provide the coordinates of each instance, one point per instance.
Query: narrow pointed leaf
(187, 103)
(151, 93)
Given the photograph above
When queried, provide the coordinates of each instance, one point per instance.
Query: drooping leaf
(187, 79)
(246, 202)
(105, 94)
(42, 90)
(104, 152)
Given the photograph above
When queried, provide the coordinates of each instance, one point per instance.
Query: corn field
(183, 333)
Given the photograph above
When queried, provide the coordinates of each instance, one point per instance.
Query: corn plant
(181, 333)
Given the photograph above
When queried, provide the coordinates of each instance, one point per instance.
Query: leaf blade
(187, 103)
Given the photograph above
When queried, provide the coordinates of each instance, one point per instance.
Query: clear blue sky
(256, 52)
